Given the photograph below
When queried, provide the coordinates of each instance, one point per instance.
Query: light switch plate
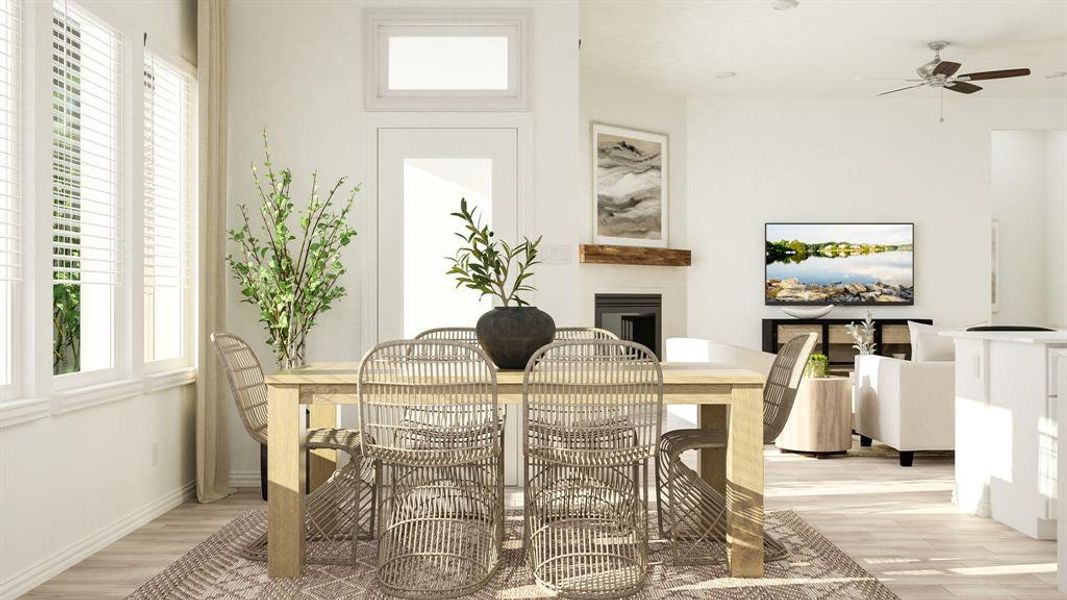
(557, 254)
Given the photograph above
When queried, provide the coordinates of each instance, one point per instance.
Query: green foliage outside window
(66, 328)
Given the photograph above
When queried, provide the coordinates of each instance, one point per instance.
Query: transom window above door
(418, 61)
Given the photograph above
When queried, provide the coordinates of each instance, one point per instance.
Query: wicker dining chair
(338, 512)
(466, 335)
(584, 333)
(592, 413)
(691, 513)
(429, 415)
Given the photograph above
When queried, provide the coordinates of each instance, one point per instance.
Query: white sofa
(906, 405)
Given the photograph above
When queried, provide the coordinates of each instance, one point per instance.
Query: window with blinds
(86, 206)
(168, 160)
(10, 197)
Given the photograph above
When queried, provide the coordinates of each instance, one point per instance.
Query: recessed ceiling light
(725, 75)
(1056, 75)
(784, 4)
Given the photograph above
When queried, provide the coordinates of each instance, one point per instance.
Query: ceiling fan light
(784, 4)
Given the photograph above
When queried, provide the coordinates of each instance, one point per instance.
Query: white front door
(422, 175)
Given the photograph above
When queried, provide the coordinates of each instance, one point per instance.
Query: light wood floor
(897, 523)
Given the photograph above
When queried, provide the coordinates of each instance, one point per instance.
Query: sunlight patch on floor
(1006, 569)
(849, 488)
(730, 582)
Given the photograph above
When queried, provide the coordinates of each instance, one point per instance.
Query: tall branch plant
(291, 270)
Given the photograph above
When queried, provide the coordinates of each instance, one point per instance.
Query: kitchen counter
(1006, 427)
(1016, 337)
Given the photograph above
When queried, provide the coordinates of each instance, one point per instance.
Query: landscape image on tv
(836, 263)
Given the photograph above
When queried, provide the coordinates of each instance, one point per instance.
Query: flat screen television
(839, 263)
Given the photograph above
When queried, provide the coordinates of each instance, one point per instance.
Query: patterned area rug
(815, 570)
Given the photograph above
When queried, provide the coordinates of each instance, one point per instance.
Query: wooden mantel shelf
(634, 255)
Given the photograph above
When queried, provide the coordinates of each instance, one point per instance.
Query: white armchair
(905, 405)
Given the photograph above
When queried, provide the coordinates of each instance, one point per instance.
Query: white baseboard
(48, 568)
(244, 479)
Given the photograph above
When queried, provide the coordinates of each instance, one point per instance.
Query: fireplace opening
(634, 317)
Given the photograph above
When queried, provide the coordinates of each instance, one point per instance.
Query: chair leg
(906, 458)
(263, 470)
(358, 519)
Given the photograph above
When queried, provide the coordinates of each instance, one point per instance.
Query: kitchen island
(1006, 427)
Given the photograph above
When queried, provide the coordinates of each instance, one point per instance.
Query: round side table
(821, 420)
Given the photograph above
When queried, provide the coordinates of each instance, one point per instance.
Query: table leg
(285, 481)
(711, 462)
(744, 483)
(322, 461)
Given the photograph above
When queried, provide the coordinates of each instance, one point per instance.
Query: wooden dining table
(726, 396)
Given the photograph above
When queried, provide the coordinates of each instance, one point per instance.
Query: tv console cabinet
(891, 337)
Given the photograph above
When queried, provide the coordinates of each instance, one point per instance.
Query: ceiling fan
(942, 74)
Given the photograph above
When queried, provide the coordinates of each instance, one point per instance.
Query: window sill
(24, 411)
(67, 401)
(165, 380)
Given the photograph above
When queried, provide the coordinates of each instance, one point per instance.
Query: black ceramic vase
(511, 334)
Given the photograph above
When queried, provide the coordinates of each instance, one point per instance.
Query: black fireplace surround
(634, 317)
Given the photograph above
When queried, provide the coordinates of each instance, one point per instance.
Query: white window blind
(168, 163)
(86, 220)
(10, 198)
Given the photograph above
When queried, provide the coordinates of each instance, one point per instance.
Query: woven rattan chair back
(467, 335)
(585, 390)
(402, 382)
(591, 418)
(782, 383)
(245, 376)
(584, 333)
(429, 413)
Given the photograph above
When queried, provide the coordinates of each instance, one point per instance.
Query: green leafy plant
(818, 365)
(66, 328)
(490, 265)
(291, 284)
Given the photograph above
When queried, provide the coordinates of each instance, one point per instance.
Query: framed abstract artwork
(629, 186)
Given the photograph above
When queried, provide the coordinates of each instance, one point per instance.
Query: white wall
(1020, 203)
(73, 482)
(296, 69)
(1056, 188)
(626, 106)
(881, 159)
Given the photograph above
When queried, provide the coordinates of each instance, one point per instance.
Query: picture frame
(630, 194)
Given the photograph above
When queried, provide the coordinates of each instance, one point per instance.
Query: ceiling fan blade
(962, 87)
(902, 89)
(1003, 73)
(862, 78)
(946, 68)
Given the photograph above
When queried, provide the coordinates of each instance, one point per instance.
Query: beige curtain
(212, 449)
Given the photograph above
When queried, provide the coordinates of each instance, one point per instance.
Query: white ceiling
(820, 47)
